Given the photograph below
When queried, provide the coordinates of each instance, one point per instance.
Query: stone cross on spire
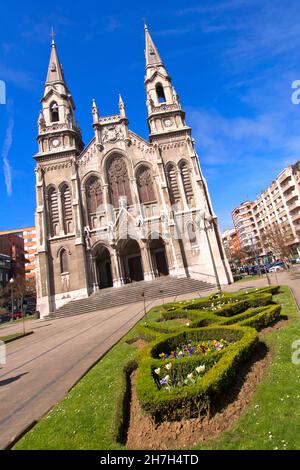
(52, 35)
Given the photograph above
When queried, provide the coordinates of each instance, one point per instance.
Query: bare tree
(278, 240)
(22, 288)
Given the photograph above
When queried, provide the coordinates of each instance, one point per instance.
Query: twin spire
(55, 71)
(151, 53)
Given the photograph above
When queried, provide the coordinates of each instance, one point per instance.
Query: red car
(17, 315)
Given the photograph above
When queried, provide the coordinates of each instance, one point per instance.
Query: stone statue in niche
(42, 122)
(87, 237)
(69, 119)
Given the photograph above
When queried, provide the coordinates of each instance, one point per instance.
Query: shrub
(231, 317)
(191, 400)
(266, 317)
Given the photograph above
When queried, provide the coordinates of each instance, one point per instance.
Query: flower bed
(185, 366)
(170, 401)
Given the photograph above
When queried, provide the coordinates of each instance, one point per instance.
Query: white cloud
(8, 141)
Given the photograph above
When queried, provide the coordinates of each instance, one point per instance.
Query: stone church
(121, 209)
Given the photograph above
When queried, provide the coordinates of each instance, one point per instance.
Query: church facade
(121, 209)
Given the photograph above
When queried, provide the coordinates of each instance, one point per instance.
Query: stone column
(148, 271)
(118, 279)
(94, 273)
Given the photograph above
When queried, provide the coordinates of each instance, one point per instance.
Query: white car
(274, 269)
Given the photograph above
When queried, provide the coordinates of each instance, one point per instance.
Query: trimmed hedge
(232, 317)
(191, 400)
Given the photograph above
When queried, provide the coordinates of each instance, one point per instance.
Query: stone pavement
(41, 368)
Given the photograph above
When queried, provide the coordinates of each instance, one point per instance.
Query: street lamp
(11, 281)
(208, 218)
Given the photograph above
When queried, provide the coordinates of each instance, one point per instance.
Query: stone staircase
(162, 287)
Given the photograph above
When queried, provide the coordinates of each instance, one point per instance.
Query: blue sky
(232, 63)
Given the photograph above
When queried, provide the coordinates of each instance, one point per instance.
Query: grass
(19, 320)
(12, 337)
(272, 419)
(247, 278)
(86, 418)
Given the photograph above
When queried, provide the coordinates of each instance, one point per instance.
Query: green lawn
(88, 417)
(14, 322)
(272, 421)
(12, 337)
(253, 277)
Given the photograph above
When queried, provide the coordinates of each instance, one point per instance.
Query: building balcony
(287, 185)
(294, 205)
(283, 177)
(291, 195)
(296, 216)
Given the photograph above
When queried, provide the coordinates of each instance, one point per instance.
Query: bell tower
(58, 130)
(165, 114)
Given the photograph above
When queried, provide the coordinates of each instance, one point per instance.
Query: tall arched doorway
(103, 267)
(158, 257)
(131, 260)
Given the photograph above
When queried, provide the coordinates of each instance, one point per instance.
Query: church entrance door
(131, 260)
(158, 256)
(135, 269)
(103, 268)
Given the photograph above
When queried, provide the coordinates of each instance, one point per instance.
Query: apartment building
(12, 249)
(277, 206)
(28, 234)
(231, 243)
(5, 269)
(244, 224)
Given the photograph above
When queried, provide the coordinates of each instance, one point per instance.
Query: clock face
(168, 122)
(55, 142)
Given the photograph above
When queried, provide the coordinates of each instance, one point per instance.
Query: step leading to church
(162, 287)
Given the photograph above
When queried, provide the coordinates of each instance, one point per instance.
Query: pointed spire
(121, 106)
(151, 52)
(55, 72)
(95, 111)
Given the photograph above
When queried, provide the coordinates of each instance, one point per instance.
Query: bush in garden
(186, 365)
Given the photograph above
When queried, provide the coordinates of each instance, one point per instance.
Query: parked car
(277, 266)
(5, 317)
(16, 315)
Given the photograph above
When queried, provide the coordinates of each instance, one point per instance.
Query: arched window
(54, 112)
(160, 93)
(186, 181)
(66, 202)
(118, 180)
(192, 234)
(94, 196)
(53, 212)
(173, 184)
(145, 185)
(63, 257)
